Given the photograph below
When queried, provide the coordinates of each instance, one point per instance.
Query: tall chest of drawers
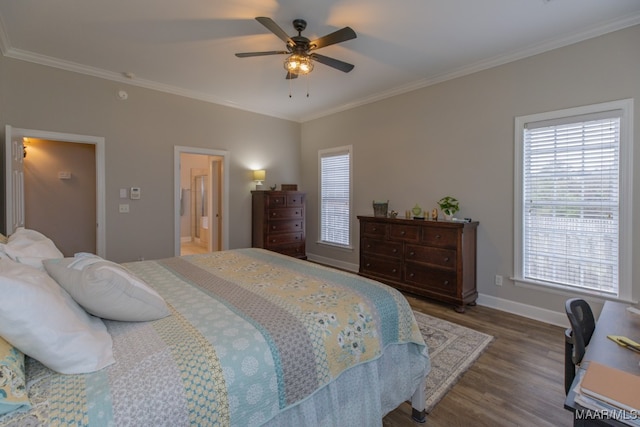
(434, 259)
(278, 222)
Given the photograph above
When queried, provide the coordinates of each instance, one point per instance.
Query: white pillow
(106, 289)
(30, 247)
(39, 318)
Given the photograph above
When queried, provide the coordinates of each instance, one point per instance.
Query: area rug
(452, 350)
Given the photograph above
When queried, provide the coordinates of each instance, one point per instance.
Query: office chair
(577, 337)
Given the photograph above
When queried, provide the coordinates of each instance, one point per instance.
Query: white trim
(332, 262)
(594, 31)
(626, 188)
(99, 142)
(569, 292)
(177, 150)
(524, 310)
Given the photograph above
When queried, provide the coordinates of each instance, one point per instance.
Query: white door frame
(177, 150)
(98, 141)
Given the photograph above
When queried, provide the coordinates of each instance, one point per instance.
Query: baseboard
(186, 239)
(333, 263)
(524, 310)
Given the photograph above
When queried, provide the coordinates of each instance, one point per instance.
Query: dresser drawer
(294, 200)
(408, 233)
(295, 250)
(381, 247)
(285, 213)
(285, 226)
(373, 229)
(441, 237)
(431, 279)
(276, 201)
(283, 239)
(382, 267)
(439, 257)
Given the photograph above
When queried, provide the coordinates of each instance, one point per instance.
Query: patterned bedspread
(251, 334)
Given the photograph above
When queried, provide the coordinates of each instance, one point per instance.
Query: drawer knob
(437, 236)
(412, 253)
(394, 270)
(273, 227)
(446, 282)
(395, 250)
(368, 246)
(374, 229)
(403, 232)
(411, 275)
(273, 214)
(368, 264)
(446, 259)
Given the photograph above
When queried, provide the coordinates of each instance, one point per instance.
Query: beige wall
(140, 134)
(454, 138)
(457, 138)
(62, 209)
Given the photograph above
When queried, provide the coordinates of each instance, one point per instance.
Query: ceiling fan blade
(331, 62)
(291, 76)
(271, 52)
(336, 37)
(275, 29)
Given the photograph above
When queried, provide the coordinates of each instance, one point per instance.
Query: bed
(252, 338)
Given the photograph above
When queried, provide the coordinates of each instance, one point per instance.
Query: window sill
(569, 291)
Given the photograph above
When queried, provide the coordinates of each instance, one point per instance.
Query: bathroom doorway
(201, 201)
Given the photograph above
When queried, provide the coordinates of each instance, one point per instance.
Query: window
(335, 196)
(573, 199)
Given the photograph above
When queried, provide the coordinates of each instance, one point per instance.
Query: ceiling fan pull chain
(289, 88)
(307, 79)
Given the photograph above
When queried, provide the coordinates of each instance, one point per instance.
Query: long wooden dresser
(434, 259)
(278, 222)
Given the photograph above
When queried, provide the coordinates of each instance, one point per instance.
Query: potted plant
(449, 206)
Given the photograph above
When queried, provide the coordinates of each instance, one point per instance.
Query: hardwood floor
(517, 381)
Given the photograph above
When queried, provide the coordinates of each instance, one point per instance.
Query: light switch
(64, 175)
(123, 193)
(134, 193)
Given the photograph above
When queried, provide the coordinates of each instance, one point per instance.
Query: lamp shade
(259, 175)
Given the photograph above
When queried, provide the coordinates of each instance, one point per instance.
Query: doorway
(14, 179)
(201, 188)
(60, 193)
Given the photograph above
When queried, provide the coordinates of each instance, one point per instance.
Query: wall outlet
(498, 280)
(124, 208)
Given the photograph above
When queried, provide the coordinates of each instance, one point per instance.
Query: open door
(217, 203)
(14, 177)
(14, 181)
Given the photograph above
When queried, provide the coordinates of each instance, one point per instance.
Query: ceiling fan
(301, 50)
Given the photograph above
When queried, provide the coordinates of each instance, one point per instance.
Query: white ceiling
(187, 47)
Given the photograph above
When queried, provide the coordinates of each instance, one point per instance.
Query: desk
(614, 320)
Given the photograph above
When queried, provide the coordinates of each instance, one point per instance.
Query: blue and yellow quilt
(252, 333)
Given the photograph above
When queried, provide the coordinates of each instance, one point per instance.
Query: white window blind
(335, 188)
(571, 206)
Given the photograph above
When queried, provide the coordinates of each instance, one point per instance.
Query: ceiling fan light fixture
(298, 64)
